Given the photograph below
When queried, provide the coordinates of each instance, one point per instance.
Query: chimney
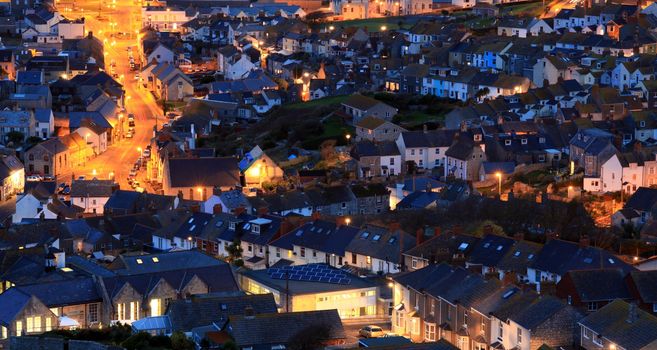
(90, 35)
(419, 236)
(249, 313)
(632, 314)
(263, 211)
(316, 216)
(239, 211)
(286, 226)
(217, 209)
(584, 241)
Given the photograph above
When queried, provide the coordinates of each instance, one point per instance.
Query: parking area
(352, 329)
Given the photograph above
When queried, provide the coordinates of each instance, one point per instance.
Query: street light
(499, 182)
(347, 221)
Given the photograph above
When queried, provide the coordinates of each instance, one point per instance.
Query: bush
(180, 342)
(161, 341)
(137, 341)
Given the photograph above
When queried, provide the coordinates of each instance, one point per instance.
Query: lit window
(139, 261)
(156, 260)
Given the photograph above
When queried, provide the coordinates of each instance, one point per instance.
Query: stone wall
(50, 343)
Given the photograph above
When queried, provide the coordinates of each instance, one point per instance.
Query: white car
(34, 178)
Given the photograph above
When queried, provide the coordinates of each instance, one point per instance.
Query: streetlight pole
(499, 183)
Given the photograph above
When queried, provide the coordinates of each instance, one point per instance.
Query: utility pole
(287, 291)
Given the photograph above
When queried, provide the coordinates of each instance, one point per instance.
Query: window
(399, 320)
(3, 332)
(465, 319)
(414, 263)
(592, 306)
(30, 324)
(120, 311)
(302, 252)
(156, 307)
(586, 333)
(354, 258)
(519, 335)
(48, 324)
(500, 331)
(278, 252)
(134, 310)
(93, 313)
(429, 332)
(19, 328)
(654, 307)
(415, 326)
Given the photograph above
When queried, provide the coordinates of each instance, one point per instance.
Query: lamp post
(499, 182)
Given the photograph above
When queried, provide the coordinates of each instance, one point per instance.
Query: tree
(33, 140)
(15, 137)
(179, 341)
(482, 92)
(234, 250)
(137, 341)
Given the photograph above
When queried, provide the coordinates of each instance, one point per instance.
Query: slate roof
(434, 138)
(519, 257)
(559, 257)
(29, 77)
(171, 261)
(645, 283)
(418, 200)
(204, 310)
(644, 199)
(207, 172)
(599, 284)
(64, 293)
(278, 328)
(92, 188)
(324, 236)
(385, 247)
(444, 247)
(361, 102)
(13, 301)
(535, 313)
(611, 322)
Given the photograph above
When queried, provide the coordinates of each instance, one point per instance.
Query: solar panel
(310, 273)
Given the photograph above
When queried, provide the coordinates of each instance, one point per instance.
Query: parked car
(131, 117)
(133, 173)
(128, 135)
(371, 332)
(81, 177)
(49, 178)
(34, 178)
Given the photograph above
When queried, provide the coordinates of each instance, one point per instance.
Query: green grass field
(327, 101)
(529, 8)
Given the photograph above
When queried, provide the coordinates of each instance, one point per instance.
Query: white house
(425, 148)
(91, 195)
(161, 54)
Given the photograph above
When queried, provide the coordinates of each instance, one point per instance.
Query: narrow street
(118, 16)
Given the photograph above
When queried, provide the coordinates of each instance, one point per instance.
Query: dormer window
(256, 229)
(523, 141)
(507, 142)
(643, 123)
(231, 225)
